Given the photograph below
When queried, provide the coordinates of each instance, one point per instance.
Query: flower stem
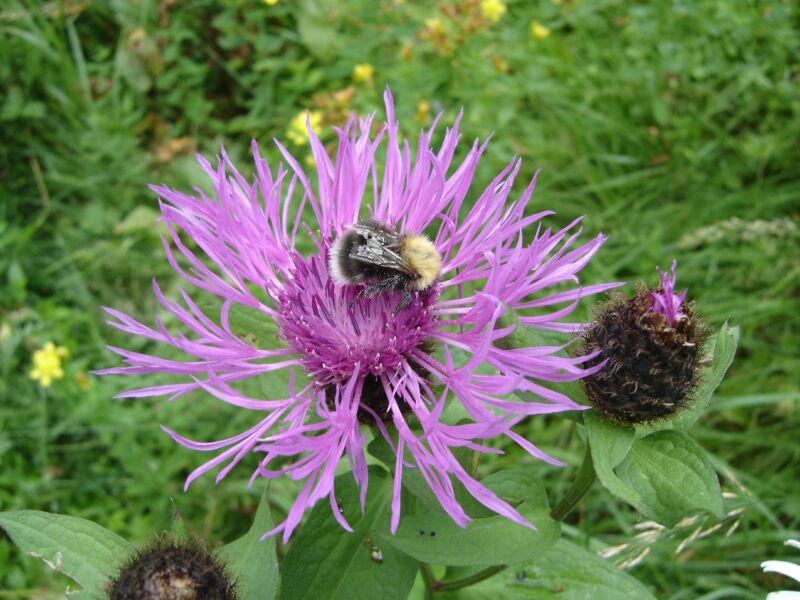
(456, 584)
(427, 576)
(44, 436)
(583, 481)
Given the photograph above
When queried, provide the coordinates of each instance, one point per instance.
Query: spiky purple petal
(666, 301)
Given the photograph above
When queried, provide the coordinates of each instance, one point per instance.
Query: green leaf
(141, 219)
(314, 26)
(325, 561)
(672, 476)
(254, 562)
(719, 352)
(250, 324)
(82, 550)
(435, 538)
(518, 485)
(563, 572)
(514, 486)
(610, 444)
(178, 529)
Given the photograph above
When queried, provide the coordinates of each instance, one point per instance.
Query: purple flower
(665, 300)
(364, 360)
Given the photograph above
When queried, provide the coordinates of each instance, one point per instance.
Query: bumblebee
(373, 254)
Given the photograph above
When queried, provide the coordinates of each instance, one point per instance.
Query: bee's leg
(405, 300)
(390, 283)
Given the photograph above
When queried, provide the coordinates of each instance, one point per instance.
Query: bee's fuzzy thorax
(424, 259)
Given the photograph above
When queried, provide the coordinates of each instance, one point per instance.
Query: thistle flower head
(169, 570)
(651, 344)
(356, 358)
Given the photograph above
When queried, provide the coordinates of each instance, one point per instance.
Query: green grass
(662, 122)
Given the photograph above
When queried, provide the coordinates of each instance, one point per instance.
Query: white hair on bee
(334, 266)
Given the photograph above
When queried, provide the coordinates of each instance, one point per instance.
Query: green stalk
(583, 481)
(430, 582)
(44, 434)
(456, 584)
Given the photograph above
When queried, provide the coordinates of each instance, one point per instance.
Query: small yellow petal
(493, 10)
(298, 132)
(539, 31)
(434, 25)
(270, 2)
(363, 72)
(47, 364)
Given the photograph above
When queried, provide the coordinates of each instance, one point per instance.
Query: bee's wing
(382, 248)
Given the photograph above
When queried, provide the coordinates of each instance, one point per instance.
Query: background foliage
(672, 125)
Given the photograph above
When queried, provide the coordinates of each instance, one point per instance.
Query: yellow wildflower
(47, 364)
(539, 31)
(310, 162)
(434, 26)
(363, 72)
(493, 9)
(270, 2)
(298, 133)
(423, 108)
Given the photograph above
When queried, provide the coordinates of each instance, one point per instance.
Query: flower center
(334, 328)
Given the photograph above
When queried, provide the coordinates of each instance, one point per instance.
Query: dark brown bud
(652, 343)
(168, 570)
